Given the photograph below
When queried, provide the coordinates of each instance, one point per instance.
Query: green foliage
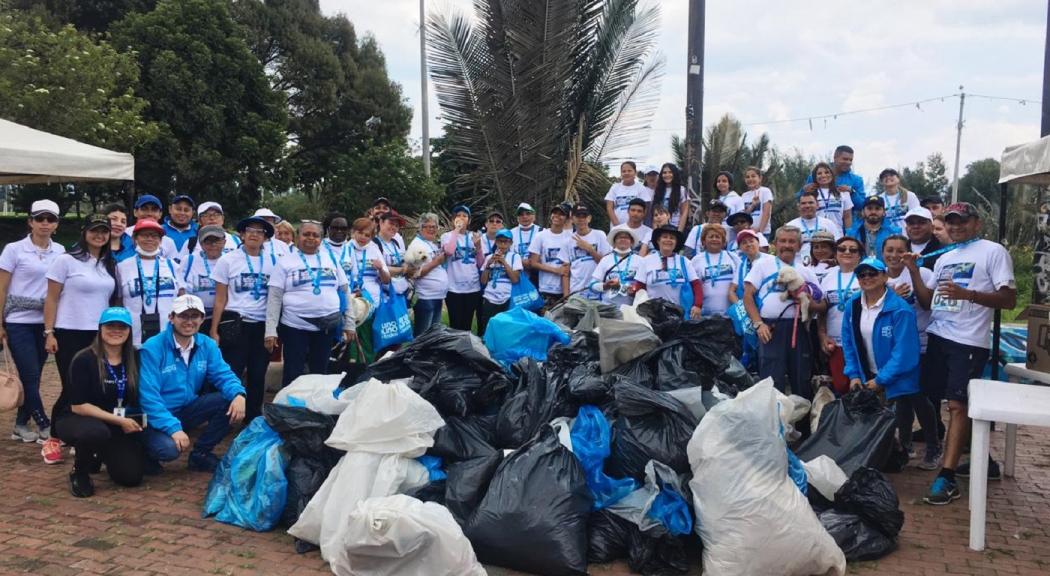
(1023, 257)
(926, 178)
(388, 170)
(294, 206)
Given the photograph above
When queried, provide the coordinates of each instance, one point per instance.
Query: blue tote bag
(524, 294)
(391, 325)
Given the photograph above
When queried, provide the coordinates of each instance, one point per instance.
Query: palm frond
(631, 122)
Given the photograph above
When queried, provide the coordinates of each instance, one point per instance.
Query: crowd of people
(154, 326)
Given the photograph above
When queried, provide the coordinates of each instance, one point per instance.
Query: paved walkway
(157, 528)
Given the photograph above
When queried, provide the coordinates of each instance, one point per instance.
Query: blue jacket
(178, 236)
(858, 232)
(127, 248)
(896, 345)
(856, 184)
(166, 383)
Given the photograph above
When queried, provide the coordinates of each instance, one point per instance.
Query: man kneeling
(173, 368)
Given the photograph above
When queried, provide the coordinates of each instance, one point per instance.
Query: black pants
(121, 453)
(461, 309)
(487, 311)
(907, 408)
(69, 343)
(248, 353)
(784, 364)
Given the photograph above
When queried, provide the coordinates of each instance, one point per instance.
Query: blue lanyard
(626, 270)
(121, 382)
(844, 293)
(256, 285)
(745, 267)
(495, 273)
(314, 272)
(488, 245)
(807, 232)
(521, 240)
(718, 271)
(466, 248)
(395, 255)
(944, 250)
(360, 280)
(673, 271)
(147, 287)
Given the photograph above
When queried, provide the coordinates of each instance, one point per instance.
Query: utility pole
(694, 111)
(958, 146)
(1045, 127)
(424, 109)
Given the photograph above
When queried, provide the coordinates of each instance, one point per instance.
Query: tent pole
(997, 325)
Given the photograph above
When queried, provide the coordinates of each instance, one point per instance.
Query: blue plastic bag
(524, 294)
(797, 473)
(670, 509)
(391, 325)
(249, 488)
(433, 465)
(518, 333)
(591, 439)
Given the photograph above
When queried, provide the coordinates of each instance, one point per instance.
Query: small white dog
(417, 255)
(796, 289)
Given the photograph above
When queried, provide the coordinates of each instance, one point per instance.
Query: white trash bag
(825, 475)
(318, 393)
(750, 515)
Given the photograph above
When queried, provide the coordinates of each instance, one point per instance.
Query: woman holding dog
(431, 278)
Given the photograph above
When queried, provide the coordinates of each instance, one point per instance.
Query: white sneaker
(43, 434)
(23, 433)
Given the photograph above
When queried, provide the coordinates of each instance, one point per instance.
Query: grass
(1023, 257)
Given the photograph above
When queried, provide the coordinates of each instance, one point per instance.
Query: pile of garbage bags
(593, 435)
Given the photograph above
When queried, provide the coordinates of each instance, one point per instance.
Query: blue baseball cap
(148, 199)
(461, 208)
(115, 314)
(871, 262)
(184, 198)
(504, 233)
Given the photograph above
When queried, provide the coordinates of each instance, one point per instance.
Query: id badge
(119, 411)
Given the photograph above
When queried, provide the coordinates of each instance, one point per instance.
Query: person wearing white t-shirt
(898, 200)
(838, 286)
(211, 214)
(366, 271)
(616, 271)
(621, 193)
(463, 262)
(774, 317)
(972, 281)
(809, 223)
(381, 206)
(738, 223)
(587, 249)
(524, 233)
(195, 268)
(831, 203)
(715, 214)
(493, 224)
(635, 216)
(667, 274)
(23, 286)
(821, 254)
(501, 271)
(550, 253)
(278, 246)
(672, 194)
(716, 268)
(149, 207)
(390, 224)
(303, 306)
(238, 322)
(431, 278)
(758, 201)
(726, 195)
(149, 283)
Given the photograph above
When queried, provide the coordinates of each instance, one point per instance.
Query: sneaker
(931, 461)
(80, 484)
(43, 434)
(52, 451)
(994, 473)
(943, 491)
(203, 462)
(24, 434)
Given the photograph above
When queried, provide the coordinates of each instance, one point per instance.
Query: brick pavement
(157, 528)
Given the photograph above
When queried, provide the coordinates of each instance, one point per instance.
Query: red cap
(147, 224)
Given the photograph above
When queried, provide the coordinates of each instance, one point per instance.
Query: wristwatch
(49, 332)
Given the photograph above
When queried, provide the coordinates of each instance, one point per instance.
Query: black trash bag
(857, 540)
(534, 516)
(467, 483)
(670, 368)
(663, 316)
(587, 386)
(651, 425)
(855, 431)
(734, 379)
(432, 492)
(582, 347)
(713, 343)
(463, 438)
(870, 495)
(540, 396)
(612, 538)
(898, 458)
(607, 537)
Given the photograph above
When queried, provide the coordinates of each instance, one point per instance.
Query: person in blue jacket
(173, 368)
(846, 180)
(179, 225)
(880, 343)
(872, 229)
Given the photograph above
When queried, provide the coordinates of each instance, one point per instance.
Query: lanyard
(673, 271)
(806, 230)
(521, 240)
(314, 272)
(257, 284)
(844, 293)
(745, 267)
(395, 255)
(147, 287)
(488, 245)
(944, 250)
(626, 270)
(718, 267)
(121, 382)
(897, 205)
(496, 271)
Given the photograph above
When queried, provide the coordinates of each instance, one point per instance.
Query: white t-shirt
(86, 290)
(983, 266)
(922, 315)
(768, 292)
(488, 245)
(820, 270)
(297, 281)
(554, 249)
(811, 226)
(247, 282)
(621, 195)
(394, 255)
(522, 239)
(831, 207)
(734, 203)
(463, 274)
(612, 265)
(195, 271)
(136, 289)
(497, 289)
(717, 273)
(754, 206)
(434, 285)
(278, 247)
(897, 208)
(692, 240)
(583, 265)
(359, 271)
(645, 234)
(666, 283)
(28, 267)
(675, 211)
(735, 246)
(838, 288)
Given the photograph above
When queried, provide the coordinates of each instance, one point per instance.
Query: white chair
(994, 401)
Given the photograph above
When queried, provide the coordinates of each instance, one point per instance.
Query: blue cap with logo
(115, 314)
(148, 199)
(871, 262)
(504, 233)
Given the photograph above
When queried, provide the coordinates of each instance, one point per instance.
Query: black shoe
(80, 484)
(151, 467)
(206, 462)
(994, 473)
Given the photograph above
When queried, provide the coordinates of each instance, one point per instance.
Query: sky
(774, 61)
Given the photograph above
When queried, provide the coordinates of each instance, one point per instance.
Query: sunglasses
(310, 222)
(45, 218)
(867, 274)
(845, 250)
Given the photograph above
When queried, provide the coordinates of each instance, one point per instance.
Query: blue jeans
(210, 408)
(302, 349)
(26, 343)
(427, 313)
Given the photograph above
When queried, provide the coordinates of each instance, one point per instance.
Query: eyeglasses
(45, 218)
(310, 222)
(190, 316)
(867, 274)
(847, 250)
(254, 231)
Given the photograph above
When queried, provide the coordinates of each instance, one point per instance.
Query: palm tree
(537, 94)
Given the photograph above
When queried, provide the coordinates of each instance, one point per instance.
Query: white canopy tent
(29, 156)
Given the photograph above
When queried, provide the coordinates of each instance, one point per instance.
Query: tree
(536, 95)
(222, 125)
(926, 179)
(86, 15)
(382, 170)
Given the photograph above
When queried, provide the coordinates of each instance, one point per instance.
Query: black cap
(581, 210)
(933, 199)
(888, 172)
(97, 221)
(636, 202)
(717, 205)
(877, 200)
(565, 208)
(738, 216)
(494, 213)
(381, 200)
